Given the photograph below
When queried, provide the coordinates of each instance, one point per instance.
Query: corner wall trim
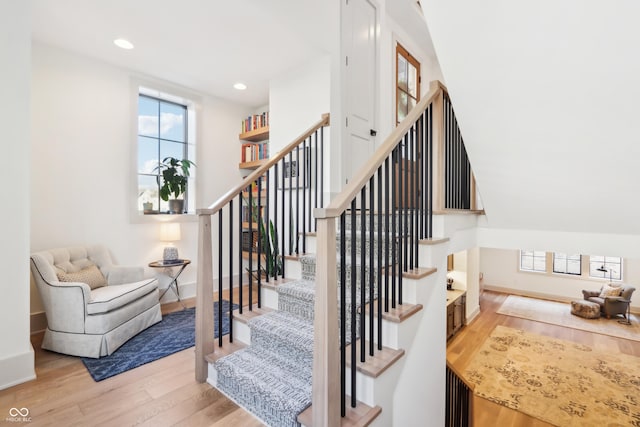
(17, 369)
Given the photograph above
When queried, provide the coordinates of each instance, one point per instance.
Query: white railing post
(326, 370)
(204, 298)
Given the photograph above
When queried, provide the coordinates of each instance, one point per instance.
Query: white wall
(80, 180)
(16, 353)
(546, 93)
(297, 100)
(501, 271)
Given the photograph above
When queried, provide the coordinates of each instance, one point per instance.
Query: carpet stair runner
(272, 376)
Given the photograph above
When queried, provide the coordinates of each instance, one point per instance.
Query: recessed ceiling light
(124, 44)
(240, 86)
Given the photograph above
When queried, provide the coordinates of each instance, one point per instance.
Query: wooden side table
(182, 263)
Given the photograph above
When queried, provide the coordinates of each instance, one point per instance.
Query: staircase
(353, 329)
(271, 374)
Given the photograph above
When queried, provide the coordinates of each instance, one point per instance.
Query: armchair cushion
(109, 298)
(610, 291)
(90, 275)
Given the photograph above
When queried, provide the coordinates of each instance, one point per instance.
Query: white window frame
(608, 262)
(193, 103)
(534, 255)
(565, 258)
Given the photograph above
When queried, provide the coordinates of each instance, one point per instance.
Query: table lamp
(170, 232)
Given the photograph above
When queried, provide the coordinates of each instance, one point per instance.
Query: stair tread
(419, 273)
(360, 416)
(226, 349)
(398, 314)
(434, 241)
(274, 283)
(250, 314)
(374, 365)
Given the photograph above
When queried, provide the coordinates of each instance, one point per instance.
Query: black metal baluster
(353, 317)
(260, 226)
(251, 231)
(387, 189)
(305, 156)
(230, 273)
(371, 264)
(395, 204)
(220, 239)
(363, 262)
(430, 167)
(275, 219)
(412, 191)
(297, 235)
(283, 212)
(267, 223)
(290, 201)
(315, 178)
(379, 314)
(240, 250)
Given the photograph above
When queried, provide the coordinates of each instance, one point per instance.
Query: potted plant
(175, 175)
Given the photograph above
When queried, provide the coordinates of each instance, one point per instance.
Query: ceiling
(546, 94)
(206, 45)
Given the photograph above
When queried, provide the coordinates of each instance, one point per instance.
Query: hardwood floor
(462, 347)
(164, 393)
(161, 393)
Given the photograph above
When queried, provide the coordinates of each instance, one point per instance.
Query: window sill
(138, 217)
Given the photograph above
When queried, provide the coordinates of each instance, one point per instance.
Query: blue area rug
(174, 333)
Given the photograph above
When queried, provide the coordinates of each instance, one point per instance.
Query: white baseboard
(17, 369)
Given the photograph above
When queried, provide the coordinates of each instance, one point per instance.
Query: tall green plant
(268, 242)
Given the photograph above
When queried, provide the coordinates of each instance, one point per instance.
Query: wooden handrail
(231, 194)
(360, 179)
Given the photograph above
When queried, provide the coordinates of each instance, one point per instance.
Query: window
(605, 267)
(165, 129)
(407, 82)
(533, 261)
(567, 264)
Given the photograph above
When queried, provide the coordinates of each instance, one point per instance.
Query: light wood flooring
(462, 347)
(164, 393)
(161, 393)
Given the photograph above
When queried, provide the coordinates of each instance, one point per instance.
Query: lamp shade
(170, 232)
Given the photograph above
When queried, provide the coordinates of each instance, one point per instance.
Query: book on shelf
(253, 152)
(256, 121)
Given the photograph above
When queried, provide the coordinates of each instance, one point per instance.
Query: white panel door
(360, 62)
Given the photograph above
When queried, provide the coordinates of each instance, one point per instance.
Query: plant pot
(176, 206)
(147, 207)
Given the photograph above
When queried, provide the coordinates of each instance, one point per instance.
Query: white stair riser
(292, 269)
(241, 332)
(311, 244)
(269, 298)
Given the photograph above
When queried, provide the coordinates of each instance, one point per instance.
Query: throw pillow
(610, 291)
(92, 276)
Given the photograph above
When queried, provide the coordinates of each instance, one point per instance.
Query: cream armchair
(92, 306)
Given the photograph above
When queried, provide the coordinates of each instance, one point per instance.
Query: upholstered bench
(586, 309)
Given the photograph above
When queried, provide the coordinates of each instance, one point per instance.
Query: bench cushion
(107, 298)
